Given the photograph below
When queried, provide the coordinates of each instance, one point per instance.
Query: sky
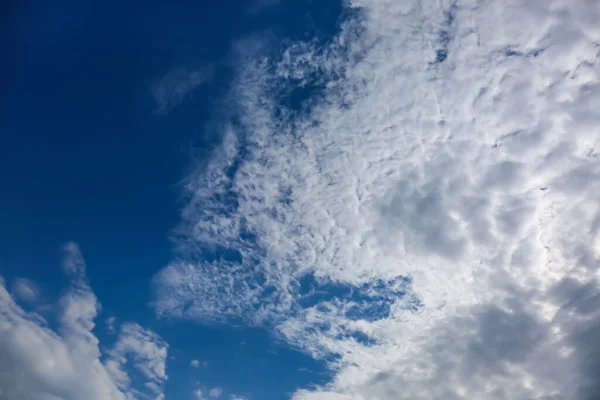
(305, 200)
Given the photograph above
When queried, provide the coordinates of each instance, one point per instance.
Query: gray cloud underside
(448, 173)
(37, 363)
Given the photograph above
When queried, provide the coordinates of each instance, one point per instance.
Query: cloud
(214, 393)
(38, 363)
(25, 290)
(110, 325)
(260, 5)
(429, 222)
(146, 350)
(176, 85)
(197, 363)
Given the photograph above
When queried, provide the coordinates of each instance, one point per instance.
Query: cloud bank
(39, 363)
(428, 222)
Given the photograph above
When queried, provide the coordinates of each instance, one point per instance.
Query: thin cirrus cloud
(172, 89)
(38, 363)
(429, 223)
(257, 6)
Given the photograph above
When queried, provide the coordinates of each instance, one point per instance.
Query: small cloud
(197, 363)
(176, 85)
(73, 263)
(198, 394)
(215, 393)
(259, 5)
(110, 325)
(25, 290)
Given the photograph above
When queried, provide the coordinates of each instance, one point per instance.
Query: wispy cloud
(25, 290)
(431, 219)
(215, 393)
(257, 6)
(197, 363)
(176, 85)
(38, 363)
(110, 325)
(146, 350)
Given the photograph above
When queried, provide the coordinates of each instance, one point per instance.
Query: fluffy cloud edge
(448, 173)
(40, 363)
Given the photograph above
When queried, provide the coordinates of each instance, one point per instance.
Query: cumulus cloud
(25, 290)
(215, 392)
(39, 363)
(146, 351)
(176, 85)
(429, 222)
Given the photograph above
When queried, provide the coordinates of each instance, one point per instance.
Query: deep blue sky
(84, 157)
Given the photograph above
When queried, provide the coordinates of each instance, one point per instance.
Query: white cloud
(197, 363)
(432, 219)
(25, 290)
(37, 363)
(176, 85)
(110, 325)
(146, 350)
(214, 393)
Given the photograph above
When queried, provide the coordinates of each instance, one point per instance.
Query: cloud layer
(39, 363)
(428, 221)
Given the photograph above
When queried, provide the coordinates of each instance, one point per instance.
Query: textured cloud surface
(428, 221)
(37, 363)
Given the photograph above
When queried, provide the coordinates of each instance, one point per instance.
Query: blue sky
(306, 200)
(85, 155)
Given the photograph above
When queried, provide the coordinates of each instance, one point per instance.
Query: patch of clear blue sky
(83, 157)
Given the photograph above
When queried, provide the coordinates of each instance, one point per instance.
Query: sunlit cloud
(428, 222)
